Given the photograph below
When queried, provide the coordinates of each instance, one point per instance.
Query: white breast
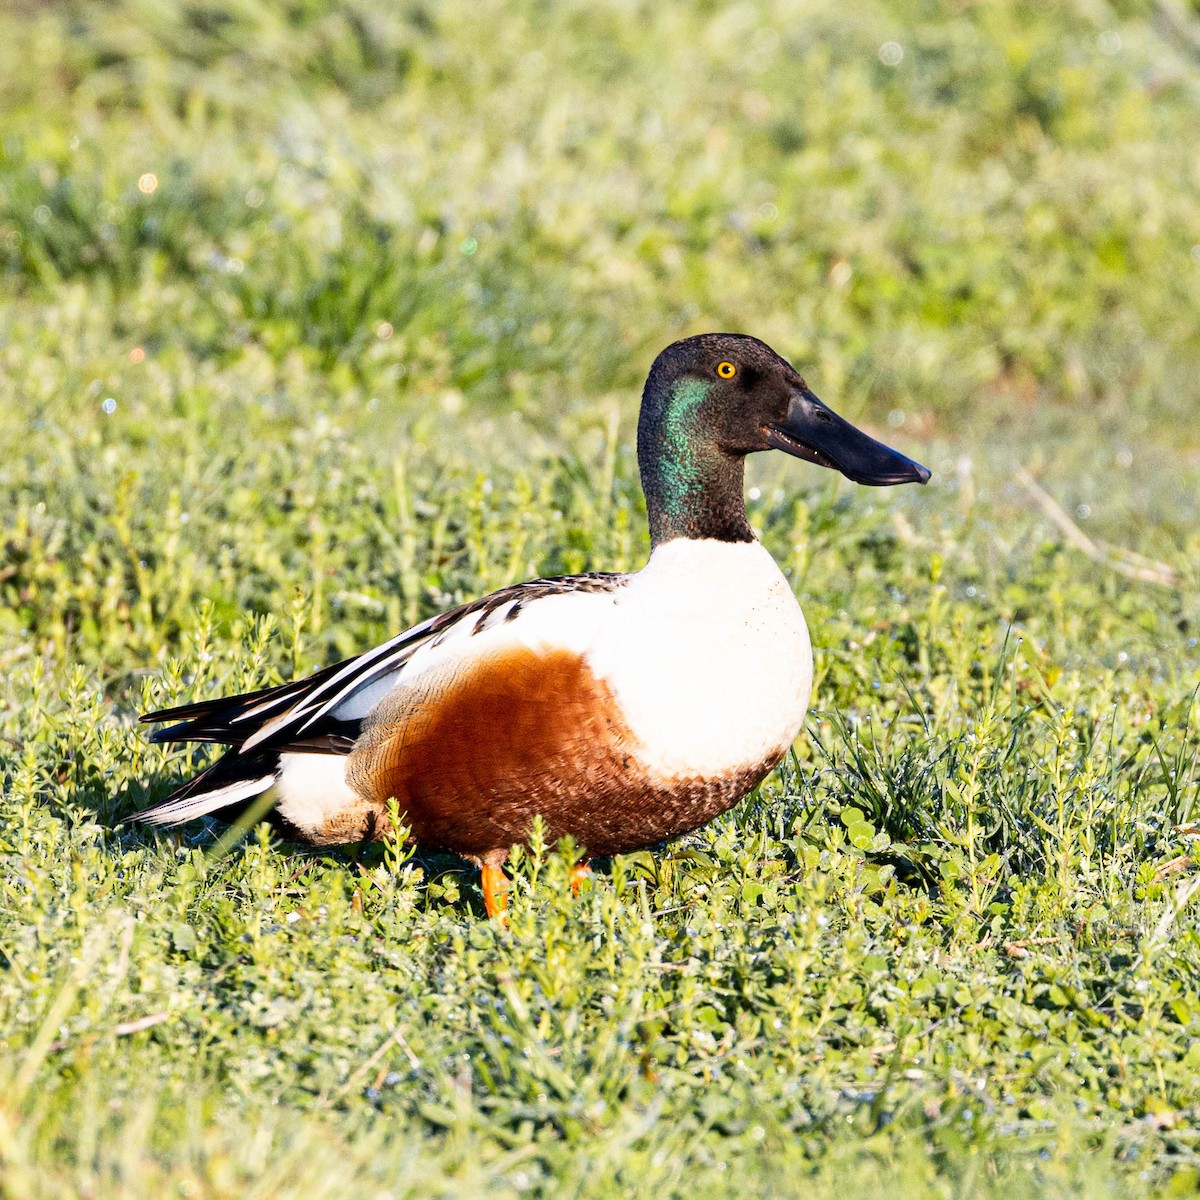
(708, 655)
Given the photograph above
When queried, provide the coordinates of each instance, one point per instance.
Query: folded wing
(324, 713)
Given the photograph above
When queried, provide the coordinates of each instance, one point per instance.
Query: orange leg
(495, 892)
(579, 872)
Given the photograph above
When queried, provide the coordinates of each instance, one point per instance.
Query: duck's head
(711, 400)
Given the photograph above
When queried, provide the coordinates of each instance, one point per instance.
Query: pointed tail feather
(222, 790)
(230, 720)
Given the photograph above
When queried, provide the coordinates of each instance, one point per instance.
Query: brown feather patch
(473, 754)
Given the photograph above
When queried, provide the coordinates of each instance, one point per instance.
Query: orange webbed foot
(579, 872)
(495, 892)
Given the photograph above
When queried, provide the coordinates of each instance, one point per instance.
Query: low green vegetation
(319, 317)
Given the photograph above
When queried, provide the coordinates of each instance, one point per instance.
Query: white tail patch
(176, 812)
(313, 790)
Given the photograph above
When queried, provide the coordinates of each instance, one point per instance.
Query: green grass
(369, 342)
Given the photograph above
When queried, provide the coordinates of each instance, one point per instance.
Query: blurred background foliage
(952, 210)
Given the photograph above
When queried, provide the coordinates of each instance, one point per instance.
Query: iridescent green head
(711, 400)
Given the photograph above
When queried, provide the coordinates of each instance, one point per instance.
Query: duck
(623, 709)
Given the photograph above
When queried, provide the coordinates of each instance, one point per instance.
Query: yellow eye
(726, 370)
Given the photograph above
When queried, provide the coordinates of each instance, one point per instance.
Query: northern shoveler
(625, 709)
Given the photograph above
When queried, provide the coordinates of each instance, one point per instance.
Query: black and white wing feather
(324, 712)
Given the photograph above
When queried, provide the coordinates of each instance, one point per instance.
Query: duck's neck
(693, 487)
